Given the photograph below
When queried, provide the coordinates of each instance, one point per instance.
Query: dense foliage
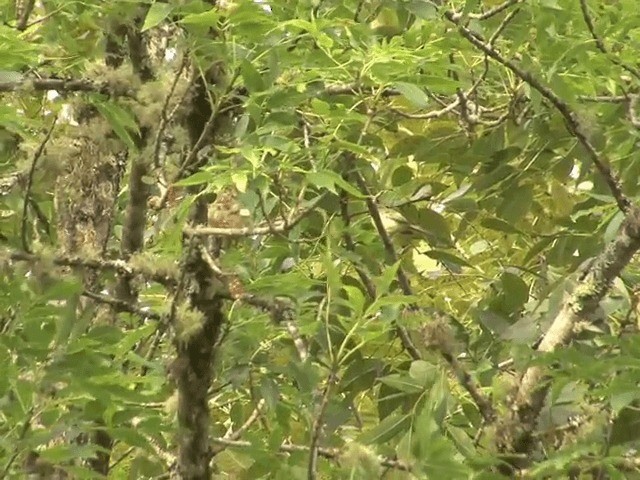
(319, 239)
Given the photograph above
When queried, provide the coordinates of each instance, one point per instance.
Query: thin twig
(603, 98)
(350, 245)
(354, 89)
(237, 434)
(328, 453)
(165, 117)
(507, 19)
(492, 12)
(27, 193)
(470, 385)
(429, 115)
(27, 9)
(44, 17)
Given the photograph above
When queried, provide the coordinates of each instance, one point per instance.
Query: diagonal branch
(597, 280)
(26, 8)
(492, 12)
(571, 119)
(237, 434)
(600, 42)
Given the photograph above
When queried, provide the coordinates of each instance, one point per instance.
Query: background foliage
(319, 239)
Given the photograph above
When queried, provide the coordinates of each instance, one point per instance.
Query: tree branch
(123, 306)
(60, 85)
(571, 119)
(534, 385)
(119, 266)
(600, 43)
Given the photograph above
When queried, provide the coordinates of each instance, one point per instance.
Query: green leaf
(613, 227)
(120, 120)
(422, 9)
(516, 203)
(422, 371)
(156, 14)
(516, 292)
(63, 453)
(383, 282)
(432, 222)
(144, 467)
(385, 430)
(15, 51)
(413, 93)
(205, 19)
(252, 78)
(197, 178)
(356, 299)
(498, 225)
(440, 84)
(328, 179)
(353, 148)
(447, 257)
(402, 383)
(67, 321)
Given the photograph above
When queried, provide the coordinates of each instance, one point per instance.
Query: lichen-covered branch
(516, 433)
(163, 277)
(195, 353)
